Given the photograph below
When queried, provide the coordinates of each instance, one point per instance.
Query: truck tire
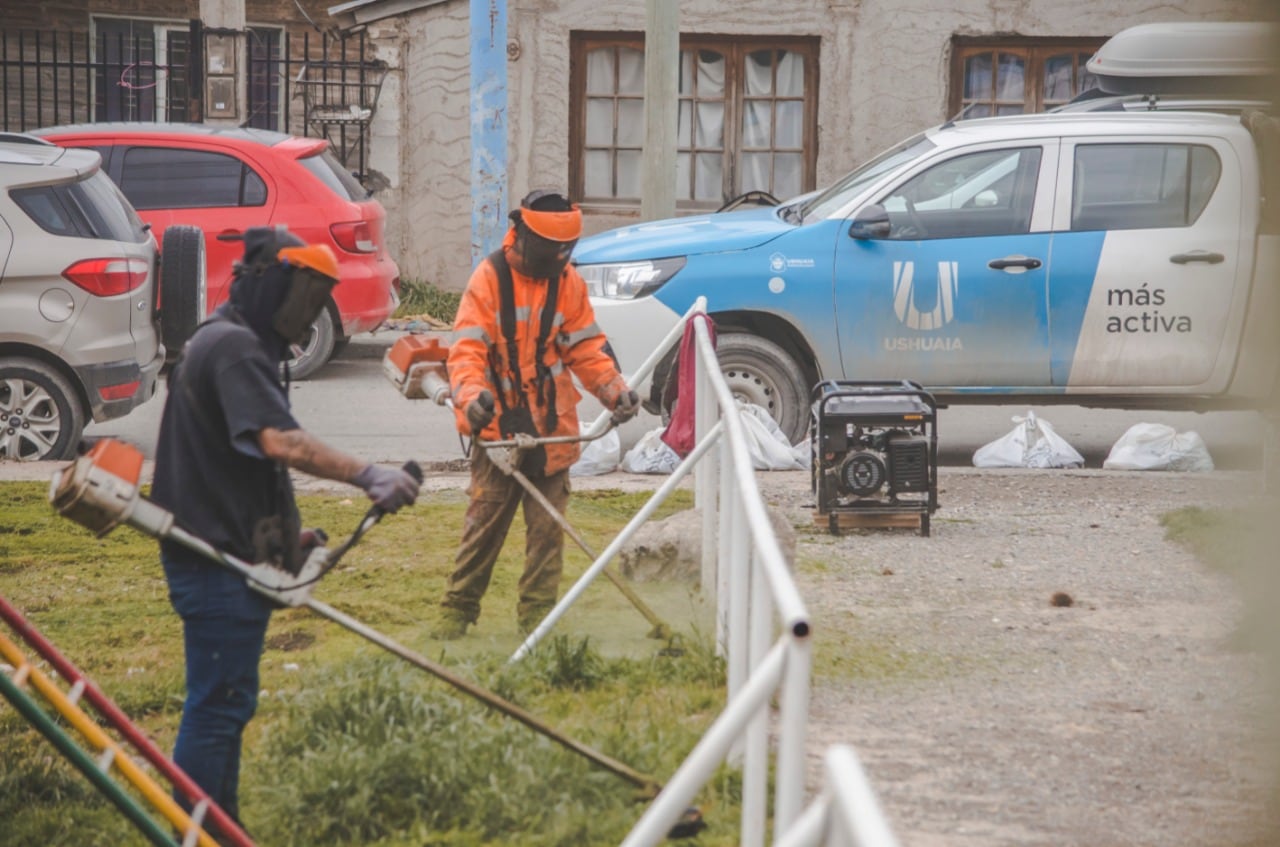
(760, 372)
(183, 286)
(40, 413)
(310, 356)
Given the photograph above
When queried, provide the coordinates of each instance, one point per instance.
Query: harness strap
(543, 377)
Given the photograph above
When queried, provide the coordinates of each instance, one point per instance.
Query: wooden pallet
(872, 520)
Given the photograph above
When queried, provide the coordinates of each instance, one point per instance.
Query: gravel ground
(985, 715)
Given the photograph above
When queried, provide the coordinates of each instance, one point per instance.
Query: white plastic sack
(599, 456)
(1031, 444)
(770, 450)
(650, 455)
(1158, 447)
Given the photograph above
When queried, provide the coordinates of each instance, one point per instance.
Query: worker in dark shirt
(227, 442)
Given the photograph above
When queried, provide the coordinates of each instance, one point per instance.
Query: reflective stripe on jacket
(574, 348)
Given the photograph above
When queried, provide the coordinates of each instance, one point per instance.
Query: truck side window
(977, 194)
(1141, 186)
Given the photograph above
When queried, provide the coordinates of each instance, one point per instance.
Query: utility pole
(661, 108)
(488, 126)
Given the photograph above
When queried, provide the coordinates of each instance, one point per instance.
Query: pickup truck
(1098, 259)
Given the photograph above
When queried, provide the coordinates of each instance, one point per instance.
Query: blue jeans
(224, 623)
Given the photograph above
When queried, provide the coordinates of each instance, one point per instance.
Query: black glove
(625, 408)
(388, 488)
(480, 411)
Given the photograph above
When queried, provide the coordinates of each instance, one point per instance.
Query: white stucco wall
(883, 68)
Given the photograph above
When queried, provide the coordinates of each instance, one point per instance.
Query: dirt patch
(1044, 669)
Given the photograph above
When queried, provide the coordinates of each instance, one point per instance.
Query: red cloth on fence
(679, 434)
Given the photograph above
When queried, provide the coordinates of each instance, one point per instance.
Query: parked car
(1108, 259)
(80, 331)
(227, 179)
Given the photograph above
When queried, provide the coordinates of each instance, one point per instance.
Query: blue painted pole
(488, 126)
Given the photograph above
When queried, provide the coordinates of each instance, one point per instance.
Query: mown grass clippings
(352, 748)
(418, 297)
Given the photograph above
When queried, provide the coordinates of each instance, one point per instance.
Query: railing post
(793, 723)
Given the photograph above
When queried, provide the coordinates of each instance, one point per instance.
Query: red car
(226, 179)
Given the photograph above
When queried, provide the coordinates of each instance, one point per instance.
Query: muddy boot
(451, 626)
(528, 618)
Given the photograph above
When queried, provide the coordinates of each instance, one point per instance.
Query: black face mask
(303, 302)
(541, 258)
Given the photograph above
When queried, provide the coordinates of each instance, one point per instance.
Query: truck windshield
(842, 191)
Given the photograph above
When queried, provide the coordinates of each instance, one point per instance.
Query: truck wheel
(40, 412)
(760, 372)
(183, 286)
(310, 356)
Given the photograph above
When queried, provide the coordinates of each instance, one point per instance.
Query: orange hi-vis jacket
(575, 347)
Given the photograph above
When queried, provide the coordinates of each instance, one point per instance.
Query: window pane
(630, 123)
(788, 175)
(600, 71)
(630, 71)
(629, 171)
(598, 173)
(599, 122)
(709, 177)
(253, 190)
(683, 188)
(987, 193)
(790, 74)
(684, 125)
(710, 129)
(758, 70)
(1141, 186)
(167, 178)
(755, 172)
(789, 131)
(977, 110)
(1057, 78)
(757, 115)
(711, 67)
(1010, 81)
(977, 77)
(1009, 109)
(1087, 80)
(684, 83)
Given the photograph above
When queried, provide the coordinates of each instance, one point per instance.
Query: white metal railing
(762, 628)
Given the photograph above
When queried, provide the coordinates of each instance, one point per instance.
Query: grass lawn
(351, 746)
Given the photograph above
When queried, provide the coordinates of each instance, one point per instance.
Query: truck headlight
(628, 280)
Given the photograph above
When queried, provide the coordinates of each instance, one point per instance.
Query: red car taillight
(107, 277)
(354, 237)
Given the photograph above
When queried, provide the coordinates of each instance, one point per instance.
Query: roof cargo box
(1236, 58)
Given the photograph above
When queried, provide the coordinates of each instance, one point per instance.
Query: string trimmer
(100, 491)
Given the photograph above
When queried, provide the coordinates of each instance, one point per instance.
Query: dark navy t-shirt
(210, 472)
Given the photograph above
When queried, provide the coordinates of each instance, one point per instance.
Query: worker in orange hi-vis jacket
(525, 328)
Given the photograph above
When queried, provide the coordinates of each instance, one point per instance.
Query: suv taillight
(354, 237)
(107, 277)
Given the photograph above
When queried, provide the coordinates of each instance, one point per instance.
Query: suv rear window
(1142, 186)
(173, 178)
(330, 171)
(90, 208)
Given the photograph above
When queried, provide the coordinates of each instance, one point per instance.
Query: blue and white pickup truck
(1109, 259)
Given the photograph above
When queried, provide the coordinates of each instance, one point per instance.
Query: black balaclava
(261, 283)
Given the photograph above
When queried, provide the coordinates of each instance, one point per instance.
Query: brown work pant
(494, 497)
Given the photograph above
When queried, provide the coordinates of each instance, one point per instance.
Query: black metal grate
(298, 83)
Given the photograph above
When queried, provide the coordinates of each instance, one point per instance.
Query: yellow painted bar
(158, 797)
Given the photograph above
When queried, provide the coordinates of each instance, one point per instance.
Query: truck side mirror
(870, 222)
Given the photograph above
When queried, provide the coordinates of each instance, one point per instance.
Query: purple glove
(388, 488)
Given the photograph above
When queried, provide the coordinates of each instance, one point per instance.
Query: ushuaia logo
(924, 307)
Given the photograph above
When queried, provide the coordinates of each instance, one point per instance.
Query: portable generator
(874, 447)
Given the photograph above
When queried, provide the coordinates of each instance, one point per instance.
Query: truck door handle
(1197, 256)
(1024, 262)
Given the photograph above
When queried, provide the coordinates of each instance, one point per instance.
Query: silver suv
(80, 325)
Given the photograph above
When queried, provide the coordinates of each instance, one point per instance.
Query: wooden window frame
(1035, 51)
(734, 48)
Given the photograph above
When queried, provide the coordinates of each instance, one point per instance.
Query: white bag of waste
(599, 456)
(768, 444)
(1033, 443)
(1158, 447)
(650, 455)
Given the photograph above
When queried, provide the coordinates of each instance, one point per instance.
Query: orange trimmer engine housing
(100, 491)
(415, 364)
